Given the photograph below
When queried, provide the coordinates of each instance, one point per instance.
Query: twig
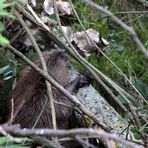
(44, 142)
(124, 12)
(60, 88)
(130, 12)
(26, 14)
(143, 2)
(12, 111)
(37, 18)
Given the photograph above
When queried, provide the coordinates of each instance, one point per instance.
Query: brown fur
(30, 94)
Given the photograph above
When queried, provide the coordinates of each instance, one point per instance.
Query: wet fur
(30, 94)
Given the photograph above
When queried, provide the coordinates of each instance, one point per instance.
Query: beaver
(30, 94)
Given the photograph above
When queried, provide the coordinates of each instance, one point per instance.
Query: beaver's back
(30, 94)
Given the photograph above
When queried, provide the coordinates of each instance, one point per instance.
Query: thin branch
(37, 18)
(12, 111)
(143, 2)
(124, 12)
(71, 133)
(44, 142)
(130, 12)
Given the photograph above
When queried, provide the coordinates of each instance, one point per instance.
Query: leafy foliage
(7, 142)
(123, 52)
(4, 13)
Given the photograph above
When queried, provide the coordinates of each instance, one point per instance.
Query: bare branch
(72, 133)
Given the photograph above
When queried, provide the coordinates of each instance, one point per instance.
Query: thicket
(123, 51)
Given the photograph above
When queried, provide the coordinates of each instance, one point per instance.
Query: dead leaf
(64, 8)
(84, 41)
(48, 7)
(105, 42)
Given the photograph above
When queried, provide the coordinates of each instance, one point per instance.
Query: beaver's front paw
(82, 81)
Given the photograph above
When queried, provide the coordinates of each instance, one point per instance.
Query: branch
(72, 133)
(130, 12)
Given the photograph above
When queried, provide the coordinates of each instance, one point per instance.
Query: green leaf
(7, 78)
(6, 14)
(142, 87)
(121, 99)
(3, 40)
(2, 1)
(4, 140)
(5, 5)
(8, 72)
(144, 128)
(3, 69)
(2, 27)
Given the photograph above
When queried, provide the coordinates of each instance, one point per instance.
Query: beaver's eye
(42, 81)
